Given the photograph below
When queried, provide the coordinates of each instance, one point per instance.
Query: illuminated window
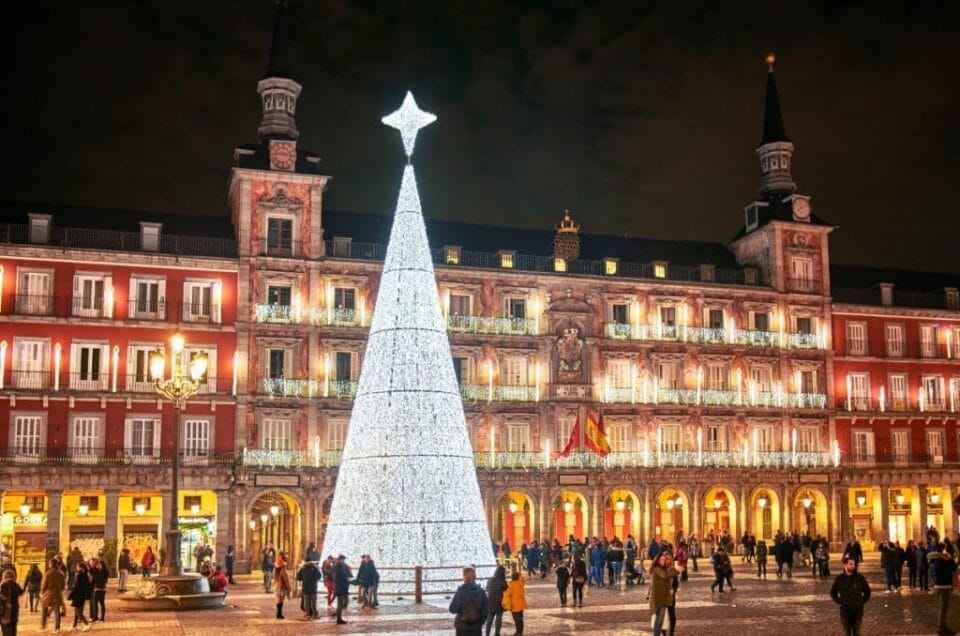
(451, 255)
(610, 266)
(659, 270)
(559, 265)
(506, 260)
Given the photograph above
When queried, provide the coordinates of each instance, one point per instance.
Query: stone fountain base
(173, 593)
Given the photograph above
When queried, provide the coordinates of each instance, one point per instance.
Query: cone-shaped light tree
(407, 491)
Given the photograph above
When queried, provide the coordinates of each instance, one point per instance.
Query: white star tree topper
(409, 119)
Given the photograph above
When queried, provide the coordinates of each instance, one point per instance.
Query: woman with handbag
(662, 594)
(579, 574)
(515, 601)
(496, 586)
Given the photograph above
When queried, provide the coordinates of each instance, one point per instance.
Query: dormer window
(40, 228)
(559, 265)
(506, 259)
(708, 273)
(341, 246)
(610, 266)
(451, 254)
(660, 269)
(752, 217)
(150, 236)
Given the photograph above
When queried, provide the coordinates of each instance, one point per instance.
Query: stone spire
(278, 89)
(775, 151)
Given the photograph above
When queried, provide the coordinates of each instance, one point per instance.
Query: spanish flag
(594, 436)
(574, 440)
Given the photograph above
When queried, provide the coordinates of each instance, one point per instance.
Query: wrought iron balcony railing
(287, 314)
(498, 393)
(899, 405)
(672, 459)
(115, 240)
(492, 325)
(30, 452)
(100, 380)
(712, 397)
(709, 335)
(296, 388)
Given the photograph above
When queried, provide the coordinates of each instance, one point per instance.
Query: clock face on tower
(283, 155)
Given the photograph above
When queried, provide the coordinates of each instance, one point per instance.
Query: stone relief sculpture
(570, 355)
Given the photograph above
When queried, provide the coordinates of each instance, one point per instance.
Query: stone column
(881, 512)
(225, 523)
(542, 530)
(696, 509)
(54, 520)
(596, 516)
(918, 510)
(744, 515)
(786, 506)
(647, 521)
(950, 521)
(838, 523)
(111, 520)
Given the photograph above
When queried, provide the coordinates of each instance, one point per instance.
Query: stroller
(632, 575)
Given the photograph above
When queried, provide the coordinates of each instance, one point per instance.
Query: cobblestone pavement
(787, 607)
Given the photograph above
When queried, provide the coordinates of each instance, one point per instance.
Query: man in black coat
(470, 605)
(851, 592)
(309, 575)
(341, 586)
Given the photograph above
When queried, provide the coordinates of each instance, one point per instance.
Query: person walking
(281, 583)
(851, 592)
(371, 582)
(10, 593)
(496, 586)
(911, 556)
(81, 594)
(309, 576)
(563, 580)
(515, 599)
(663, 585)
(761, 558)
(100, 577)
(327, 570)
(51, 595)
(718, 569)
(228, 561)
(123, 570)
(579, 573)
(694, 551)
(942, 568)
(923, 567)
(31, 583)
(470, 605)
(147, 561)
(341, 586)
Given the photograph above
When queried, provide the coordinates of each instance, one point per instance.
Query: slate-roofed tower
(775, 150)
(278, 89)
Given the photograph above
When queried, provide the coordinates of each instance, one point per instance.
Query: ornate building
(744, 387)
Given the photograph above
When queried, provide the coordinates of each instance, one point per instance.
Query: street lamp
(274, 510)
(762, 500)
(24, 509)
(807, 500)
(513, 507)
(178, 389)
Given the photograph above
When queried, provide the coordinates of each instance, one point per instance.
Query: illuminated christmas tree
(407, 491)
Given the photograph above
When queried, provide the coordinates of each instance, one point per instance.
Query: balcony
(143, 309)
(708, 335)
(263, 458)
(319, 316)
(712, 397)
(34, 304)
(498, 393)
(803, 285)
(580, 460)
(492, 325)
(99, 456)
(897, 405)
(293, 388)
(283, 248)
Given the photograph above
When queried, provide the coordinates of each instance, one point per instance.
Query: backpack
(471, 613)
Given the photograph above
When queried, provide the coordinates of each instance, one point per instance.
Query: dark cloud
(641, 117)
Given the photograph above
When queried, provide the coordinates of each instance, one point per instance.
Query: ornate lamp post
(178, 389)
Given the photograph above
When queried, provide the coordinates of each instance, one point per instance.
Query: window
(336, 434)
(209, 378)
(715, 377)
(894, 340)
(514, 371)
(716, 438)
(801, 271)
(762, 436)
(760, 320)
(148, 298)
(277, 434)
(564, 429)
(618, 374)
(935, 446)
(344, 298)
(150, 236)
(30, 363)
(900, 446)
(559, 264)
(278, 363)
(670, 440)
(342, 246)
(619, 313)
(506, 260)
(142, 438)
(762, 378)
(898, 392)
(89, 366)
(344, 366)
(667, 375)
(856, 339)
(279, 236)
(27, 435)
(954, 394)
(451, 255)
(618, 434)
(808, 439)
(859, 398)
(668, 316)
(659, 270)
(516, 308)
(715, 318)
(195, 438)
(863, 447)
(198, 301)
(39, 228)
(610, 266)
(88, 295)
(932, 387)
(928, 341)
(85, 437)
(518, 437)
(804, 325)
(808, 381)
(463, 370)
(460, 305)
(278, 295)
(35, 293)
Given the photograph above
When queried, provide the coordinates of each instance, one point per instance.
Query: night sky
(641, 117)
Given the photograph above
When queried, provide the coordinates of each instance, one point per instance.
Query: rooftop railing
(117, 240)
(920, 300)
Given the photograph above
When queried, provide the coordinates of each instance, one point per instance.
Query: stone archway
(275, 518)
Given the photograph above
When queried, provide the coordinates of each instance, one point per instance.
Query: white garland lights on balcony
(407, 490)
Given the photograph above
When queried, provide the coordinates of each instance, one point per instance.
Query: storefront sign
(194, 520)
(30, 520)
(30, 547)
